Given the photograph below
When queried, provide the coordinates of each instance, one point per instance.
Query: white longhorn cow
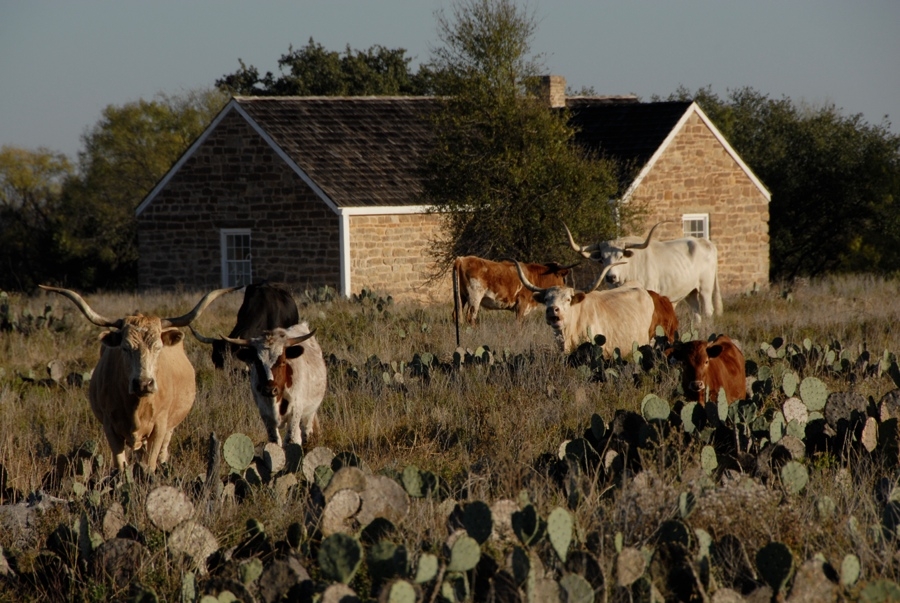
(680, 269)
(287, 376)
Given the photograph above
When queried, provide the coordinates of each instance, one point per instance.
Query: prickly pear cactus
(794, 476)
(477, 521)
(238, 451)
(412, 481)
(775, 563)
(339, 557)
(464, 554)
(427, 568)
(559, 531)
(654, 408)
(630, 565)
(577, 589)
(708, 459)
(814, 393)
(528, 525)
(849, 570)
(789, 384)
(167, 507)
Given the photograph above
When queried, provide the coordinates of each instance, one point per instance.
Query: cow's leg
(704, 297)
(295, 433)
(308, 425)
(117, 445)
(164, 449)
(695, 303)
(155, 442)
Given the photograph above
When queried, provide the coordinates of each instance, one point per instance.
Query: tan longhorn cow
(623, 315)
(143, 385)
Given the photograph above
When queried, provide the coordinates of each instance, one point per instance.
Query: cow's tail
(457, 300)
(717, 296)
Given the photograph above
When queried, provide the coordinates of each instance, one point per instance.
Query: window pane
(237, 259)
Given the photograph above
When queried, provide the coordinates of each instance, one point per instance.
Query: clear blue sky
(62, 62)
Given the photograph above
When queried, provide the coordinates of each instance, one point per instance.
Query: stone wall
(390, 254)
(695, 175)
(235, 180)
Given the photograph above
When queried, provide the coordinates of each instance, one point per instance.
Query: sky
(63, 61)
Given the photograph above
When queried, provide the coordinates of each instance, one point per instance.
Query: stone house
(326, 191)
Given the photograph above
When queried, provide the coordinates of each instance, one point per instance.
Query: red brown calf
(708, 366)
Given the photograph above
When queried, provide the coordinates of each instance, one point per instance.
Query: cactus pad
(814, 393)
(794, 476)
(577, 589)
(654, 408)
(775, 563)
(339, 557)
(464, 555)
(427, 568)
(559, 531)
(167, 507)
(477, 521)
(238, 451)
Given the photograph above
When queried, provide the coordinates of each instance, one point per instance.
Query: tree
(505, 172)
(315, 71)
(834, 179)
(30, 187)
(125, 154)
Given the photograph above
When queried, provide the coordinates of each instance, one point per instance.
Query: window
(696, 225)
(236, 269)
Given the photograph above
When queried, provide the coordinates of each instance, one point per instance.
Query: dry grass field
(486, 432)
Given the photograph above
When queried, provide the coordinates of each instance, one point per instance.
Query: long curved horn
(241, 342)
(524, 278)
(584, 250)
(92, 316)
(300, 339)
(570, 266)
(647, 240)
(183, 321)
(603, 276)
(203, 338)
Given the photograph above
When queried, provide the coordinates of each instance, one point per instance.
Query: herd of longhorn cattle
(144, 385)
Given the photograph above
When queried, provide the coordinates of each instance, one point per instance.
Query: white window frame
(704, 218)
(224, 233)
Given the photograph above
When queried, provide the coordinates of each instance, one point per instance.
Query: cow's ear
(247, 355)
(578, 297)
(713, 351)
(294, 351)
(627, 253)
(539, 297)
(111, 339)
(675, 353)
(171, 337)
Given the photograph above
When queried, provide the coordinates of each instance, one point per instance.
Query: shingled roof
(361, 151)
(366, 151)
(629, 132)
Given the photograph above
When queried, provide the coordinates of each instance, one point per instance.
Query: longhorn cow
(680, 269)
(708, 366)
(287, 378)
(480, 283)
(266, 306)
(143, 385)
(623, 315)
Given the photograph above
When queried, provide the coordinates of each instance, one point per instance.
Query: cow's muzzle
(697, 386)
(269, 390)
(143, 386)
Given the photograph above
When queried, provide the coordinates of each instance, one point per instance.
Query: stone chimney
(551, 89)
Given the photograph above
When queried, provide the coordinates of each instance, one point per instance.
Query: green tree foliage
(315, 71)
(31, 183)
(125, 154)
(504, 172)
(834, 179)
